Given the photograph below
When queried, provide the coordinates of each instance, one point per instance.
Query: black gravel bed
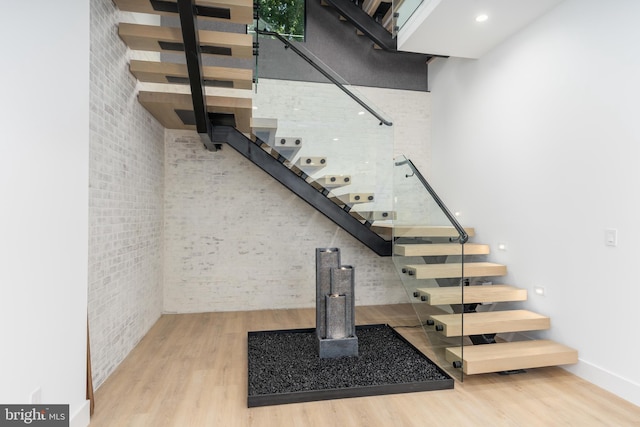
(284, 367)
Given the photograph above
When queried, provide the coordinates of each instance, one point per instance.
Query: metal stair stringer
(250, 150)
(363, 22)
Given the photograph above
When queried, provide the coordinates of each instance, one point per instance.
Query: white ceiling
(449, 28)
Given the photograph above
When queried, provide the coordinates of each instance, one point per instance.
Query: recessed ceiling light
(482, 18)
(361, 113)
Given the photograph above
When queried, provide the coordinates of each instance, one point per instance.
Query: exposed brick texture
(125, 197)
(236, 239)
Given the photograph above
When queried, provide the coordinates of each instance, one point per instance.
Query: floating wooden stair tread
(311, 162)
(264, 128)
(418, 231)
(514, 355)
(371, 6)
(372, 216)
(334, 181)
(489, 322)
(169, 39)
(451, 270)
(175, 110)
(169, 72)
(440, 249)
(472, 294)
(236, 11)
(353, 198)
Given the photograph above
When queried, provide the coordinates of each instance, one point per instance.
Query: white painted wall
(236, 239)
(537, 144)
(44, 158)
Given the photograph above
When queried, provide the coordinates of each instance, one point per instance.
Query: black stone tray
(284, 367)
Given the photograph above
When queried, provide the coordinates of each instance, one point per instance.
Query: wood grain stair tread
(172, 73)
(472, 294)
(333, 181)
(372, 216)
(264, 129)
(514, 355)
(311, 162)
(389, 230)
(169, 39)
(236, 11)
(440, 249)
(167, 107)
(451, 270)
(352, 198)
(488, 322)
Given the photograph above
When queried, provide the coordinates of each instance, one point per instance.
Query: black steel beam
(189, 26)
(363, 22)
(301, 188)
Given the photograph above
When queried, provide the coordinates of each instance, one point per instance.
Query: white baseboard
(609, 381)
(81, 417)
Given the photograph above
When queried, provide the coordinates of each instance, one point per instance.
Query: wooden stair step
(171, 108)
(389, 230)
(481, 359)
(472, 294)
(169, 72)
(236, 11)
(372, 216)
(265, 129)
(311, 162)
(454, 269)
(333, 181)
(352, 198)
(169, 39)
(440, 249)
(371, 6)
(287, 146)
(490, 322)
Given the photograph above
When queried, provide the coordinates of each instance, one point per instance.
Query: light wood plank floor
(191, 370)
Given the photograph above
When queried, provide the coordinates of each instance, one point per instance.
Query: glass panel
(404, 9)
(330, 125)
(429, 264)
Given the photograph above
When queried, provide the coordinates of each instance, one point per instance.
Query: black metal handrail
(464, 236)
(333, 80)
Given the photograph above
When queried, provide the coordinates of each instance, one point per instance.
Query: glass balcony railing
(404, 9)
(429, 256)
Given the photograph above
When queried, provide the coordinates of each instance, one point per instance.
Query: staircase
(423, 256)
(371, 18)
(227, 104)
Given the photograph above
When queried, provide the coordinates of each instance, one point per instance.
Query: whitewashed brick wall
(125, 196)
(236, 239)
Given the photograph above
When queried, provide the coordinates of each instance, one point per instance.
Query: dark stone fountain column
(335, 306)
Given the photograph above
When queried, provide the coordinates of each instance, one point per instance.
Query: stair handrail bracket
(463, 236)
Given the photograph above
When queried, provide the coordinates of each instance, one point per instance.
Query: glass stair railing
(325, 131)
(404, 9)
(429, 254)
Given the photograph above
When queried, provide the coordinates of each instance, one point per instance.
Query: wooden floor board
(191, 370)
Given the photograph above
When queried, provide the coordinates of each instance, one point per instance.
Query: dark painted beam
(301, 188)
(363, 22)
(188, 23)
